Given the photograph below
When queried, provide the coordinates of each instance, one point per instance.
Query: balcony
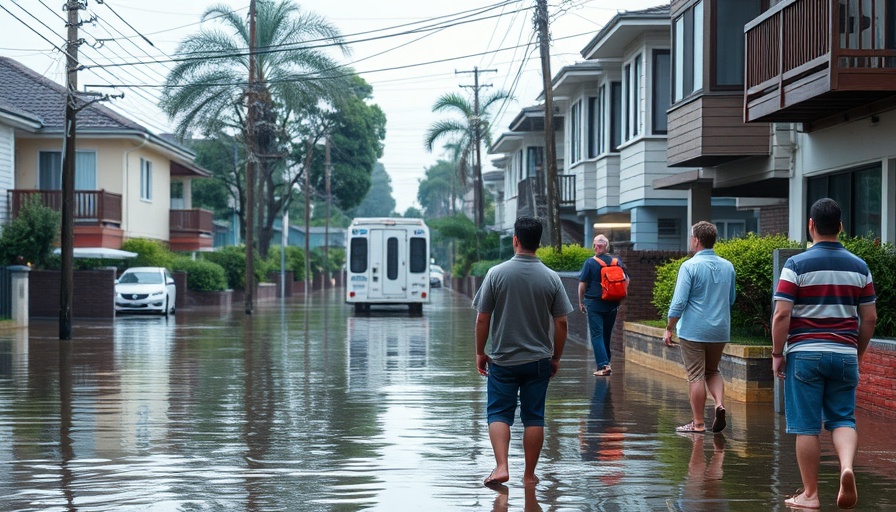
(91, 207)
(190, 230)
(532, 199)
(808, 60)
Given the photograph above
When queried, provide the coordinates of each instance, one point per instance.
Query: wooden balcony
(91, 207)
(190, 230)
(807, 60)
(531, 198)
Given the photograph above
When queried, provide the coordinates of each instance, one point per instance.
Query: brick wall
(877, 383)
(93, 291)
(773, 220)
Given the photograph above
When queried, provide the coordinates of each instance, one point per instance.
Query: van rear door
(388, 268)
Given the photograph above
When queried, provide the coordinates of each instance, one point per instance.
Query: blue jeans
(528, 381)
(820, 386)
(600, 323)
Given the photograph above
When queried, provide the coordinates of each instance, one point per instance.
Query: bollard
(19, 295)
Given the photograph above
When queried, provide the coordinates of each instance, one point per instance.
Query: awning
(99, 253)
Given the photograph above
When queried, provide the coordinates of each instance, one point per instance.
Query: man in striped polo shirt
(824, 318)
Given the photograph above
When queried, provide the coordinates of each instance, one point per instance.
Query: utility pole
(250, 166)
(327, 172)
(66, 284)
(550, 147)
(478, 202)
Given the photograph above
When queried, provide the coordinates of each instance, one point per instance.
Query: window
(615, 116)
(627, 80)
(177, 195)
(596, 123)
(392, 258)
(534, 161)
(634, 115)
(145, 180)
(418, 255)
(730, 18)
(729, 229)
(49, 170)
(858, 193)
(358, 248)
(662, 93)
(687, 41)
(575, 132)
(668, 228)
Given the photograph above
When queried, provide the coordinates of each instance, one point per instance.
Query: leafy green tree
(29, 238)
(467, 130)
(223, 156)
(209, 93)
(437, 192)
(379, 201)
(412, 213)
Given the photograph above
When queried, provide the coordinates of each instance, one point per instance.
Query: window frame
(688, 45)
(660, 84)
(145, 180)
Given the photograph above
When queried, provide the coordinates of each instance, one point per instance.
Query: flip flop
(848, 496)
(690, 427)
(719, 423)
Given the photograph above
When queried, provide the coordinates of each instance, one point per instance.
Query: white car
(145, 289)
(436, 276)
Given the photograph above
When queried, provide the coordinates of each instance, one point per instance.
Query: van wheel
(362, 308)
(166, 311)
(415, 309)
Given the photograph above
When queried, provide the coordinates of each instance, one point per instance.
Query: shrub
(29, 238)
(881, 259)
(480, 268)
(233, 259)
(570, 259)
(752, 257)
(150, 253)
(202, 276)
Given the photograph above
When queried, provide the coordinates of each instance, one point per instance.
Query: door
(388, 265)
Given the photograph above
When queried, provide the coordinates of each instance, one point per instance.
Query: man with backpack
(603, 283)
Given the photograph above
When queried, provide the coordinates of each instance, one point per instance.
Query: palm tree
(207, 91)
(467, 129)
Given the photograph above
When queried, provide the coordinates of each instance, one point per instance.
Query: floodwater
(305, 406)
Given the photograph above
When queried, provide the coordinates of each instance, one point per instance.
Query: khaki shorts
(701, 359)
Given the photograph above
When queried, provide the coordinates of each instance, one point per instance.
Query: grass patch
(738, 336)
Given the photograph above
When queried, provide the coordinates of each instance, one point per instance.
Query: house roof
(611, 41)
(38, 104)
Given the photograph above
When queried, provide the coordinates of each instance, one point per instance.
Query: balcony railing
(191, 221)
(808, 59)
(567, 188)
(90, 206)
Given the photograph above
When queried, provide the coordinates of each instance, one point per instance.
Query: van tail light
(423, 295)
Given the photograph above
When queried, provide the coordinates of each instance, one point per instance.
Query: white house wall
(841, 148)
(639, 164)
(7, 169)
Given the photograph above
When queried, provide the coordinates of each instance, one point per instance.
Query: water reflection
(304, 406)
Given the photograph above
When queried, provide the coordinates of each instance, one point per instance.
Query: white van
(387, 263)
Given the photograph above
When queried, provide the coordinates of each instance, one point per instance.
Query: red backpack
(614, 285)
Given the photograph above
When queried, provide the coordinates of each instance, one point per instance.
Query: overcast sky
(408, 72)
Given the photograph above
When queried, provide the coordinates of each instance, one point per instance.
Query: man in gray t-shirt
(519, 303)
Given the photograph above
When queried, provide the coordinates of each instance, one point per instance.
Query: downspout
(126, 216)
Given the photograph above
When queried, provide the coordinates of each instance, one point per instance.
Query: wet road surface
(305, 406)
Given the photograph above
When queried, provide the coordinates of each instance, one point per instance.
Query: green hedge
(202, 276)
(881, 259)
(752, 257)
(570, 259)
(150, 253)
(233, 259)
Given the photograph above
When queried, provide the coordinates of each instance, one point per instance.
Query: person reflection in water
(519, 303)
(703, 489)
(502, 499)
(600, 439)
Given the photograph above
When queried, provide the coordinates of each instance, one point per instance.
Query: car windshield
(141, 278)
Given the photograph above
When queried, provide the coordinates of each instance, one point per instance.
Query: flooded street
(305, 406)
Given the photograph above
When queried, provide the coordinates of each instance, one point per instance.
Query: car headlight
(156, 294)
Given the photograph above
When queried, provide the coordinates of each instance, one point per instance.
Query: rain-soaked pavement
(307, 407)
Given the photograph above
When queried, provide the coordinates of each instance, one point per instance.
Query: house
(617, 126)
(836, 90)
(129, 182)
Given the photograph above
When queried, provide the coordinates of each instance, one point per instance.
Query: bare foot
(530, 480)
(803, 501)
(496, 477)
(848, 496)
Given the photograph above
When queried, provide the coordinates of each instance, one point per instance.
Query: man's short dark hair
(826, 215)
(706, 233)
(528, 231)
